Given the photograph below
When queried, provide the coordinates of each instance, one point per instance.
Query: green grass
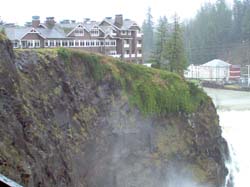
(151, 90)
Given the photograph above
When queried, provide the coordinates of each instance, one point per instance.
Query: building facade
(118, 37)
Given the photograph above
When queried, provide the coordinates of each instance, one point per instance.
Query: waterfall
(234, 112)
(236, 128)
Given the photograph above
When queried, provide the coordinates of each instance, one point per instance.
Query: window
(71, 43)
(139, 52)
(97, 43)
(46, 43)
(82, 43)
(87, 43)
(24, 43)
(79, 31)
(106, 43)
(76, 43)
(139, 42)
(30, 43)
(127, 52)
(113, 43)
(37, 43)
(65, 43)
(15, 44)
(102, 43)
(58, 43)
(124, 32)
(92, 43)
(52, 44)
(94, 31)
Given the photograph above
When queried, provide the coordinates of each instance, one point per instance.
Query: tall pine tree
(161, 36)
(148, 36)
(175, 52)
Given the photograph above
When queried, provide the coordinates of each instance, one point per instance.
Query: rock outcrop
(75, 119)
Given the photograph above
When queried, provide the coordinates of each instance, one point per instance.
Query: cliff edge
(69, 118)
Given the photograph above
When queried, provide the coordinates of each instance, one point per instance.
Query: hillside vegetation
(72, 118)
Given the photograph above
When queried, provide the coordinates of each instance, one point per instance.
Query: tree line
(217, 31)
(163, 45)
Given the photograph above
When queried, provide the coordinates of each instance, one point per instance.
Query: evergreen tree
(161, 37)
(175, 53)
(237, 20)
(148, 36)
(209, 33)
(245, 25)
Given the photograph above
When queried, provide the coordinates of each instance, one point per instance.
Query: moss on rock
(152, 91)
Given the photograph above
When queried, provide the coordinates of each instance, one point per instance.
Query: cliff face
(75, 119)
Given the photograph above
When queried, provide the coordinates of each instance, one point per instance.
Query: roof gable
(81, 26)
(33, 31)
(130, 25)
(108, 22)
(93, 26)
(216, 63)
(135, 26)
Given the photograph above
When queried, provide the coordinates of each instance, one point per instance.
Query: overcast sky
(20, 11)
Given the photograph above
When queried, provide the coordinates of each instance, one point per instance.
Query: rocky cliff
(75, 119)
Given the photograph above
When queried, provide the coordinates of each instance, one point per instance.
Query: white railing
(139, 55)
(126, 55)
(132, 55)
(126, 45)
(138, 45)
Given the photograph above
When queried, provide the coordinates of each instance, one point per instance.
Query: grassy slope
(152, 91)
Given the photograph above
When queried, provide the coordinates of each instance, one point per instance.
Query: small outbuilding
(215, 70)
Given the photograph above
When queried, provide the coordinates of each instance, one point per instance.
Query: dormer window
(124, 32)
(94, 31)
(79, 31)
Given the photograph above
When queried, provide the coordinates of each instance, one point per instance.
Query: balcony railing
(139, 55)
(126, 56)
(138, 45)
(132, 55)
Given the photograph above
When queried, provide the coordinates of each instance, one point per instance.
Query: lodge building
(118, 37)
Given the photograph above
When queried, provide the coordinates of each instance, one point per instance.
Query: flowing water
(234, 112)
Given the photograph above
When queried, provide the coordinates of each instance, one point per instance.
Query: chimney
(118, 20)
(50, 22)
(35, 21)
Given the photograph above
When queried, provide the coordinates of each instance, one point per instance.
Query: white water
(234, 112)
